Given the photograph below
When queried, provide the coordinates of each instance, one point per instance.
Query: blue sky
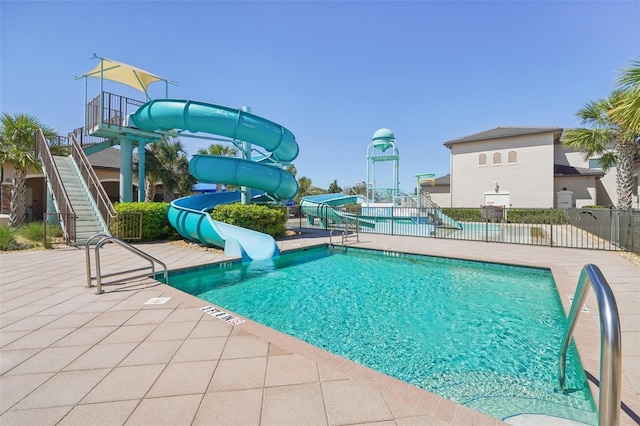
(331, 72)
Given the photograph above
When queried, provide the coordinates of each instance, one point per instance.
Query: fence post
(392, 211)
(551, 223)
(486, 230)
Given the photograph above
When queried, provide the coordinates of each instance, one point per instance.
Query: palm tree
(220, 151)
(152, 171)
(629, 108)
(166, 161)
(610, 137)
(17, 143)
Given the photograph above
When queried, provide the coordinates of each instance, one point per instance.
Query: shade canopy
(123, 73)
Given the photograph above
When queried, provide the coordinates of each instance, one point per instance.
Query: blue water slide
(170, 114)
(322, 206)
(189, 215)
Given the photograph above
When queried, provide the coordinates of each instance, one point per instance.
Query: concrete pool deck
(69, 356)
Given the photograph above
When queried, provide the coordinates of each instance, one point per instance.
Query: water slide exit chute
(322, 206)
(189, 215)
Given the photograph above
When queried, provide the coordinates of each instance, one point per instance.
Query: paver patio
(69, 356)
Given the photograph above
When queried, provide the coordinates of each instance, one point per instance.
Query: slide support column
(245, 196)
(126, 164)
(141, 171)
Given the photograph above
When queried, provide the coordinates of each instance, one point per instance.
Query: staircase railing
(67, 214)
(610, 342)
(105, 207)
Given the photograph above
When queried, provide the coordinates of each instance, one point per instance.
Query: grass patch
(28, 236)
(33, 231)
(8, 239)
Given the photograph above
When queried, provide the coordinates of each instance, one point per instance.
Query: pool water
(484, 335)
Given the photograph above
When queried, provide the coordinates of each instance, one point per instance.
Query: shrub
(33, 231)
(463, 214)
(155, 223)
(548, 216)
(266, 219)
(7, 238)
(353, 208)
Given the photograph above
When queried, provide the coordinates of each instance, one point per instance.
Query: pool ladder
(106, 238)
(610, 343)
(345, 232)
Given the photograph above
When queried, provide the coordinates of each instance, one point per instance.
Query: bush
(33, 231)
(547, 216)
(353, 209)
(463, 214)
(266, 219)
(155, 223)
(7, 238)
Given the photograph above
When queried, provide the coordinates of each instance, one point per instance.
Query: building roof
(564, 170)
(443, 180)
(108, 158)
(505, 132)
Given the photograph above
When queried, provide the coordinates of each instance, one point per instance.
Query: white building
(523, 167)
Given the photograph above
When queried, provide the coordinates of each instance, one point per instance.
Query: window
(482, 160)
(596, 163)
(497, 159)
(513, 157)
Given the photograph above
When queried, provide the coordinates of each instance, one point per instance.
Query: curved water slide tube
(189, 215)
(321, 206)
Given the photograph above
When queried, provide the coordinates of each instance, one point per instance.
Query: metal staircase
(88, 220)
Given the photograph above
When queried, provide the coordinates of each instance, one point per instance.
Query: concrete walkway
(69, 356)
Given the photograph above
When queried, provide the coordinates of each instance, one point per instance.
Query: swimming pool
(484, 335)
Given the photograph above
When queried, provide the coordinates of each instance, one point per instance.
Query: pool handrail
(106, 238)
(610, 342)
(87, 253)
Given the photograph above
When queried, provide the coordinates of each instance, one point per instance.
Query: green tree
(334, 188)
(304, 187)
(628, 110)
(610, 137)
(166, 161)
(17, 147)
(292, 169)
(220, 151)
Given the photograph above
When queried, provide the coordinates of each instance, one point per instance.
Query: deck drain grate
(157, 301)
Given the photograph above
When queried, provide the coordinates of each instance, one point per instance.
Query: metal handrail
(105, 238)
(42, 151)
(348, 223)
(105, 207)
(610, 342)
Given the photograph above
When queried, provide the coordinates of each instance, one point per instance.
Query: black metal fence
(59, 228)
(114, 110)
(599, 229)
